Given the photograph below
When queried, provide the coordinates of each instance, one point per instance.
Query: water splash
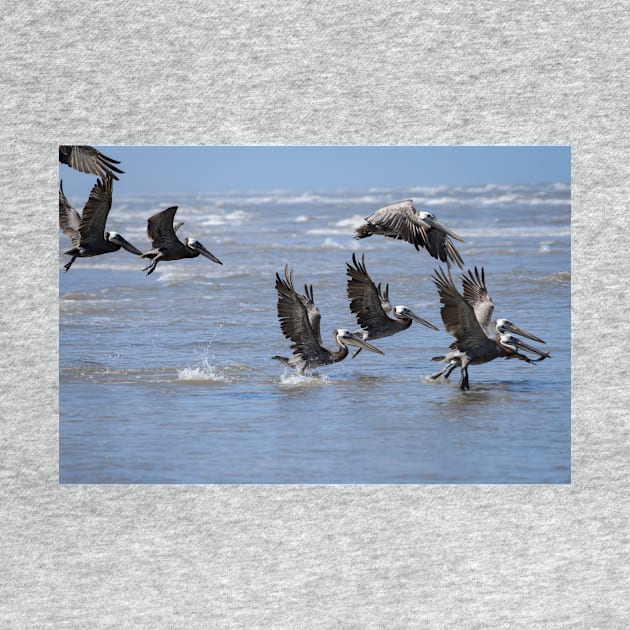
(293, 379)
(206, 373)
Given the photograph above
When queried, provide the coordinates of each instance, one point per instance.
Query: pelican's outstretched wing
(440, 246)
(161, 232)
(399, 220)
(458, 316)
(476, 294)
(69, 218)
(87, 159)
(295, 322)
(94, 217)
(366, 301)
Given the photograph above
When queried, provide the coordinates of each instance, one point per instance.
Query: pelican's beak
(523, 333)
(424, 322)
(442, 228)
(525, 346)
(353, 339)
(125, 244)
(204, 252)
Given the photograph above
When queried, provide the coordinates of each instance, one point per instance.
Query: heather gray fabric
(314, 557)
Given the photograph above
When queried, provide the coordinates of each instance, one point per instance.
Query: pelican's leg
(446, 371)
(68, 265)
(463, 383)
(151, 268)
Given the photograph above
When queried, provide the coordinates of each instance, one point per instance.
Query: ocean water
(169, 379)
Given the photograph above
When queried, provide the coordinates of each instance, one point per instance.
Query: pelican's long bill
(434, 223)
(198, 247)
(409, 313)
(118, 239)
(506, 326)
(510, 340)
(345, 337)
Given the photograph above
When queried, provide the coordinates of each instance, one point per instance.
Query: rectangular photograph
(314, 314)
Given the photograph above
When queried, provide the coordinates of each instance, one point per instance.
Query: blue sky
(199, 169)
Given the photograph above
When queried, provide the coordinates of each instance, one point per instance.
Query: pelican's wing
(366, 301)
(458, 315)
(94, 217)
(312, 311)
(384, 297)
(69, 218)
(87, 159)
(161, 231)
(440, 246)
(294, 320)
(401, 219)
(476, 294)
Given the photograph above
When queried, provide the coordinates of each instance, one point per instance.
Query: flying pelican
(87, 232)
(370, 305)
(166, 245)
(87, 159)
(468, 318)
(401, 220)
(299, 322)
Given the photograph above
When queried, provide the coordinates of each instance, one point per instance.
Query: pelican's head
(344, 337)
(402, 312)
(118, 240)
(431, 220)
(194, 245)
(515, 344)
(505, 326)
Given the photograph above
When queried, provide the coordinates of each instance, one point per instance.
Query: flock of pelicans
(467, 315)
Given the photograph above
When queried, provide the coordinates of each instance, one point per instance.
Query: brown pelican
(468, 318)
(166, 245)
(87, 159)
(299, 322)
(401, 220)
(370, 305)
(87, 232)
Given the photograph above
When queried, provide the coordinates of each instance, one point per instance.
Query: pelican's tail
(281, 359)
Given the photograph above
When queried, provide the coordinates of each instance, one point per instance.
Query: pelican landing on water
(166, 245)
(401, 220)
(87, 232)
(370, 304)
(87, 159)
(300, 323)
(468, 318)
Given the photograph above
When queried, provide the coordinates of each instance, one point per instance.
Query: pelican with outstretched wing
(300, 323)
(87, 232)
(370, 305)
(468, 318)
(402, 221)
(166, 245)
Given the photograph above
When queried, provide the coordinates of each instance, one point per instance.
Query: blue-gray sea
(169, 379)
